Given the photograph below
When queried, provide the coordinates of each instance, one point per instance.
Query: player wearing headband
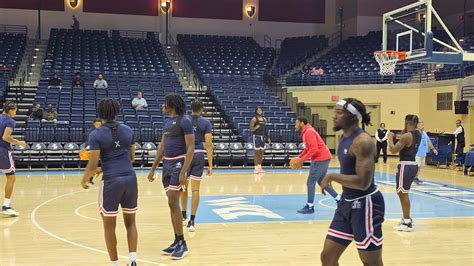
(360, 212)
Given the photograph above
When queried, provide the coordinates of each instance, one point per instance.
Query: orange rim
(401, 55)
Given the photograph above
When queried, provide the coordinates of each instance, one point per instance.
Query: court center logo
(237, 207)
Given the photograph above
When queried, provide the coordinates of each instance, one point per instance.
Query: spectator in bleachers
(100, 82)
(78, 82)
(6, 71)
(305, 71)
(55, 82)
(139, 103)
(50, 114)
(36, 112)
(317, 72)
(75, 23)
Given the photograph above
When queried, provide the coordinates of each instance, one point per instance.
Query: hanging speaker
(461, 107)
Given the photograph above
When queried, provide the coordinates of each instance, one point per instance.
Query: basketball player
(113, 144)
(202, 134)
(7, 165)
(318, 152)
(177, 150)
(258, 127)
(360, 212)
(407, 147)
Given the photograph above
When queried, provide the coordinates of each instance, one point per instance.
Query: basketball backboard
(418, 30)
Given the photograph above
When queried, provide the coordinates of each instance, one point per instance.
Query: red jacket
(315, 148)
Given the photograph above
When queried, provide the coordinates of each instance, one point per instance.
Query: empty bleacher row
(12, 47)
(295, 50)
(129, 65)
(218, 56)
(238, 91)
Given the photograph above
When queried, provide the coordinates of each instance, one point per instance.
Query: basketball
(84, 155)
(293, 162)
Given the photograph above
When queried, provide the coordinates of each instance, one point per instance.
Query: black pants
(381, 146)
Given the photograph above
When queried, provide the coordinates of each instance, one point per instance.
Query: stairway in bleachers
(222, 130)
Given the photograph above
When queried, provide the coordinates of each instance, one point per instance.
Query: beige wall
(402, 99)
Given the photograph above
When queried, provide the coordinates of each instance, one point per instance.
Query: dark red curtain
(213, 9)
(304, 11)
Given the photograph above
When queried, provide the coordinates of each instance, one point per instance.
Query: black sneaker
(134, 263)
(169, 250)
(306, 210)
(180, 251)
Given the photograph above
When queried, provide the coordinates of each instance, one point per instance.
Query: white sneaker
(404, 227)
(191, 227)
(8, 211)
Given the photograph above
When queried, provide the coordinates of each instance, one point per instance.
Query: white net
(387, 62)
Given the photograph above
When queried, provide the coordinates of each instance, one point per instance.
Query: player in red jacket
(318, 152)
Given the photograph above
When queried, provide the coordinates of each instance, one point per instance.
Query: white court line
(321, 202)
(35, 223)
(77, 211)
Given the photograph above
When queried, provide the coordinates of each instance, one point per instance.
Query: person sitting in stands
(100, 83)
(36, 113)
(139, 103)
(50, 114)
(55, 82)
(78, 82)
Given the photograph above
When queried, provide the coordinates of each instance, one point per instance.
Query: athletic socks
(6, 202)
(180, 238)
(175, 237)
(311, 205)
(407, 221)
(193, 217)
(133, 257)
(184, 214)
(115, 263)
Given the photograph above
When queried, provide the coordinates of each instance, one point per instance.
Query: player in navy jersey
(407, 147)
(113, 143)
(177, 151)
(360, 212)
(7, 165)
(95, 124)
(258, 127)
(202, 134)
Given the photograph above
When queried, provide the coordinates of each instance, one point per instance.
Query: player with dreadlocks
(360, 213)
(114, 144)
(7, 165)
(177, 151)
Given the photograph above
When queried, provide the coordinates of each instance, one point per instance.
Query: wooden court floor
(60, 225)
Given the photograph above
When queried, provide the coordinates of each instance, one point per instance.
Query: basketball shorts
(171, 170)
(7, 164)
(121, 190)
(405, 175)
(360, 220)
(196, 169)
(258, 142)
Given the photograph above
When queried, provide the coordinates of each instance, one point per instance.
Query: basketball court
(243, 219)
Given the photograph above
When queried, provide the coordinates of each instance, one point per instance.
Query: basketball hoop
(388, 61)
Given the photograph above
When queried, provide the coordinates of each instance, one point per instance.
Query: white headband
(349, 107)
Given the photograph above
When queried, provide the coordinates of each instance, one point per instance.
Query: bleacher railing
(467, 92)
(14, 29)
